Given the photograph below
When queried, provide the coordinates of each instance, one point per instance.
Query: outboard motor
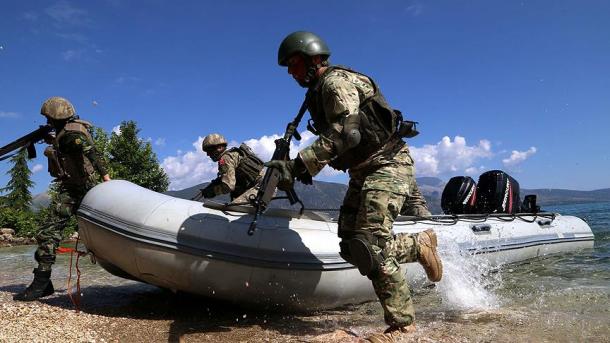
(529, 204)
(497, 192)
(459, 196)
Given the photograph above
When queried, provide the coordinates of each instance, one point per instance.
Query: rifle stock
(26, 141)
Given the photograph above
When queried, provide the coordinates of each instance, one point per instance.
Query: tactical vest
(248, 170)
(73, 168)
(378, 122)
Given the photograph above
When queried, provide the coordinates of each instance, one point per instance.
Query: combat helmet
(57, 108)
(303, 42)
(212, 140)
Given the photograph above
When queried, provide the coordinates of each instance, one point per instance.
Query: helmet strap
(58, 124)
(312, 70)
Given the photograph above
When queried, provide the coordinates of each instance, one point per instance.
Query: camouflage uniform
(72, 161)
(232, 163)
(377, 189)
(415, 203)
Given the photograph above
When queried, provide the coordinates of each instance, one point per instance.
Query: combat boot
(427, 255)
(40, 287)
(391, 334)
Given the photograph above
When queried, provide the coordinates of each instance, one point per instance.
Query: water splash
(467, 283)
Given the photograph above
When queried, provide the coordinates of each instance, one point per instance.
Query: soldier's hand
(285, 169)
(106, 178)
(49, 138)
(300, 171)
(289, 170)
(208, 192)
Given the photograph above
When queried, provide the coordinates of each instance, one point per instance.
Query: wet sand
(132, 313)
(117, 310)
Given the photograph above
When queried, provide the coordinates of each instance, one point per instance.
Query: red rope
(74, 298)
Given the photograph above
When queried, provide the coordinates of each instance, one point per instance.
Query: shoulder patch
(222, 162)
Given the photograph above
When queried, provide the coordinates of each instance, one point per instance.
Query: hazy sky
(522, 86)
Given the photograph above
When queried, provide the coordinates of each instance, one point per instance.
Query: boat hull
(290, 261)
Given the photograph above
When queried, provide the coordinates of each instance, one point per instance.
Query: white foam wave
(467, 283)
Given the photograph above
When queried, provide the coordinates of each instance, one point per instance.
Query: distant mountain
(566, 196)
(40, 200)
(430, 181)
(432, 189)
(320, 195)
(329, 195)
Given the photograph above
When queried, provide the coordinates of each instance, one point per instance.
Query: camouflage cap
(213, 140)
(303, 42)
(57, 108)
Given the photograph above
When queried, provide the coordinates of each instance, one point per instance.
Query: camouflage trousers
(244, 198)
(49, 237)
(415, 203)
(371, 204)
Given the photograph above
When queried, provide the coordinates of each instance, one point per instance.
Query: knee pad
(364, 257)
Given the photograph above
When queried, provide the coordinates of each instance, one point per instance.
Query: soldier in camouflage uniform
(240, 171)
(72, 162)
(358, 132)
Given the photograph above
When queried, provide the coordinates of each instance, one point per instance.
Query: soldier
(72, 160)
(240, 171)
(358, 131)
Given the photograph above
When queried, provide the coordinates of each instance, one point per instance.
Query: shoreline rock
(8, 239)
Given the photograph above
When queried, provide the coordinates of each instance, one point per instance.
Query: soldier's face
(214, 153)
(54, 123)
(298, 69)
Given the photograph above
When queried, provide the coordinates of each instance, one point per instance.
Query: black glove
(300, 172)
(288, 171)
(208, 192)
(285, 169)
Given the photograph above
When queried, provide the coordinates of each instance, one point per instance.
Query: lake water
(560, 298)
(564, 297)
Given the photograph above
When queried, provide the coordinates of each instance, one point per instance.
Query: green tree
(132, 158)
(101, 141)
(18, 194)
(15, 210)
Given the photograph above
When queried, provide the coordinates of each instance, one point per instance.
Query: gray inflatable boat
(291, 260)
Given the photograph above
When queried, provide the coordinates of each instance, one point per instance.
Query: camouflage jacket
(342, 94)
(73, 158)
(232, 173)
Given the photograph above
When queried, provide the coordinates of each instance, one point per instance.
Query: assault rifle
(27, 142)
(272, 175)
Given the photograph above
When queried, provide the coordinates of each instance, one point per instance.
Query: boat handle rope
(74, 298)
(476, 218)
(447, 219)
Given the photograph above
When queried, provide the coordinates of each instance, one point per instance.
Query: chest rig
(66, 164)
(377, 122)
(247, 171)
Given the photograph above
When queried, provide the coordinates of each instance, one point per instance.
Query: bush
(28, 223)
(25, 223)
